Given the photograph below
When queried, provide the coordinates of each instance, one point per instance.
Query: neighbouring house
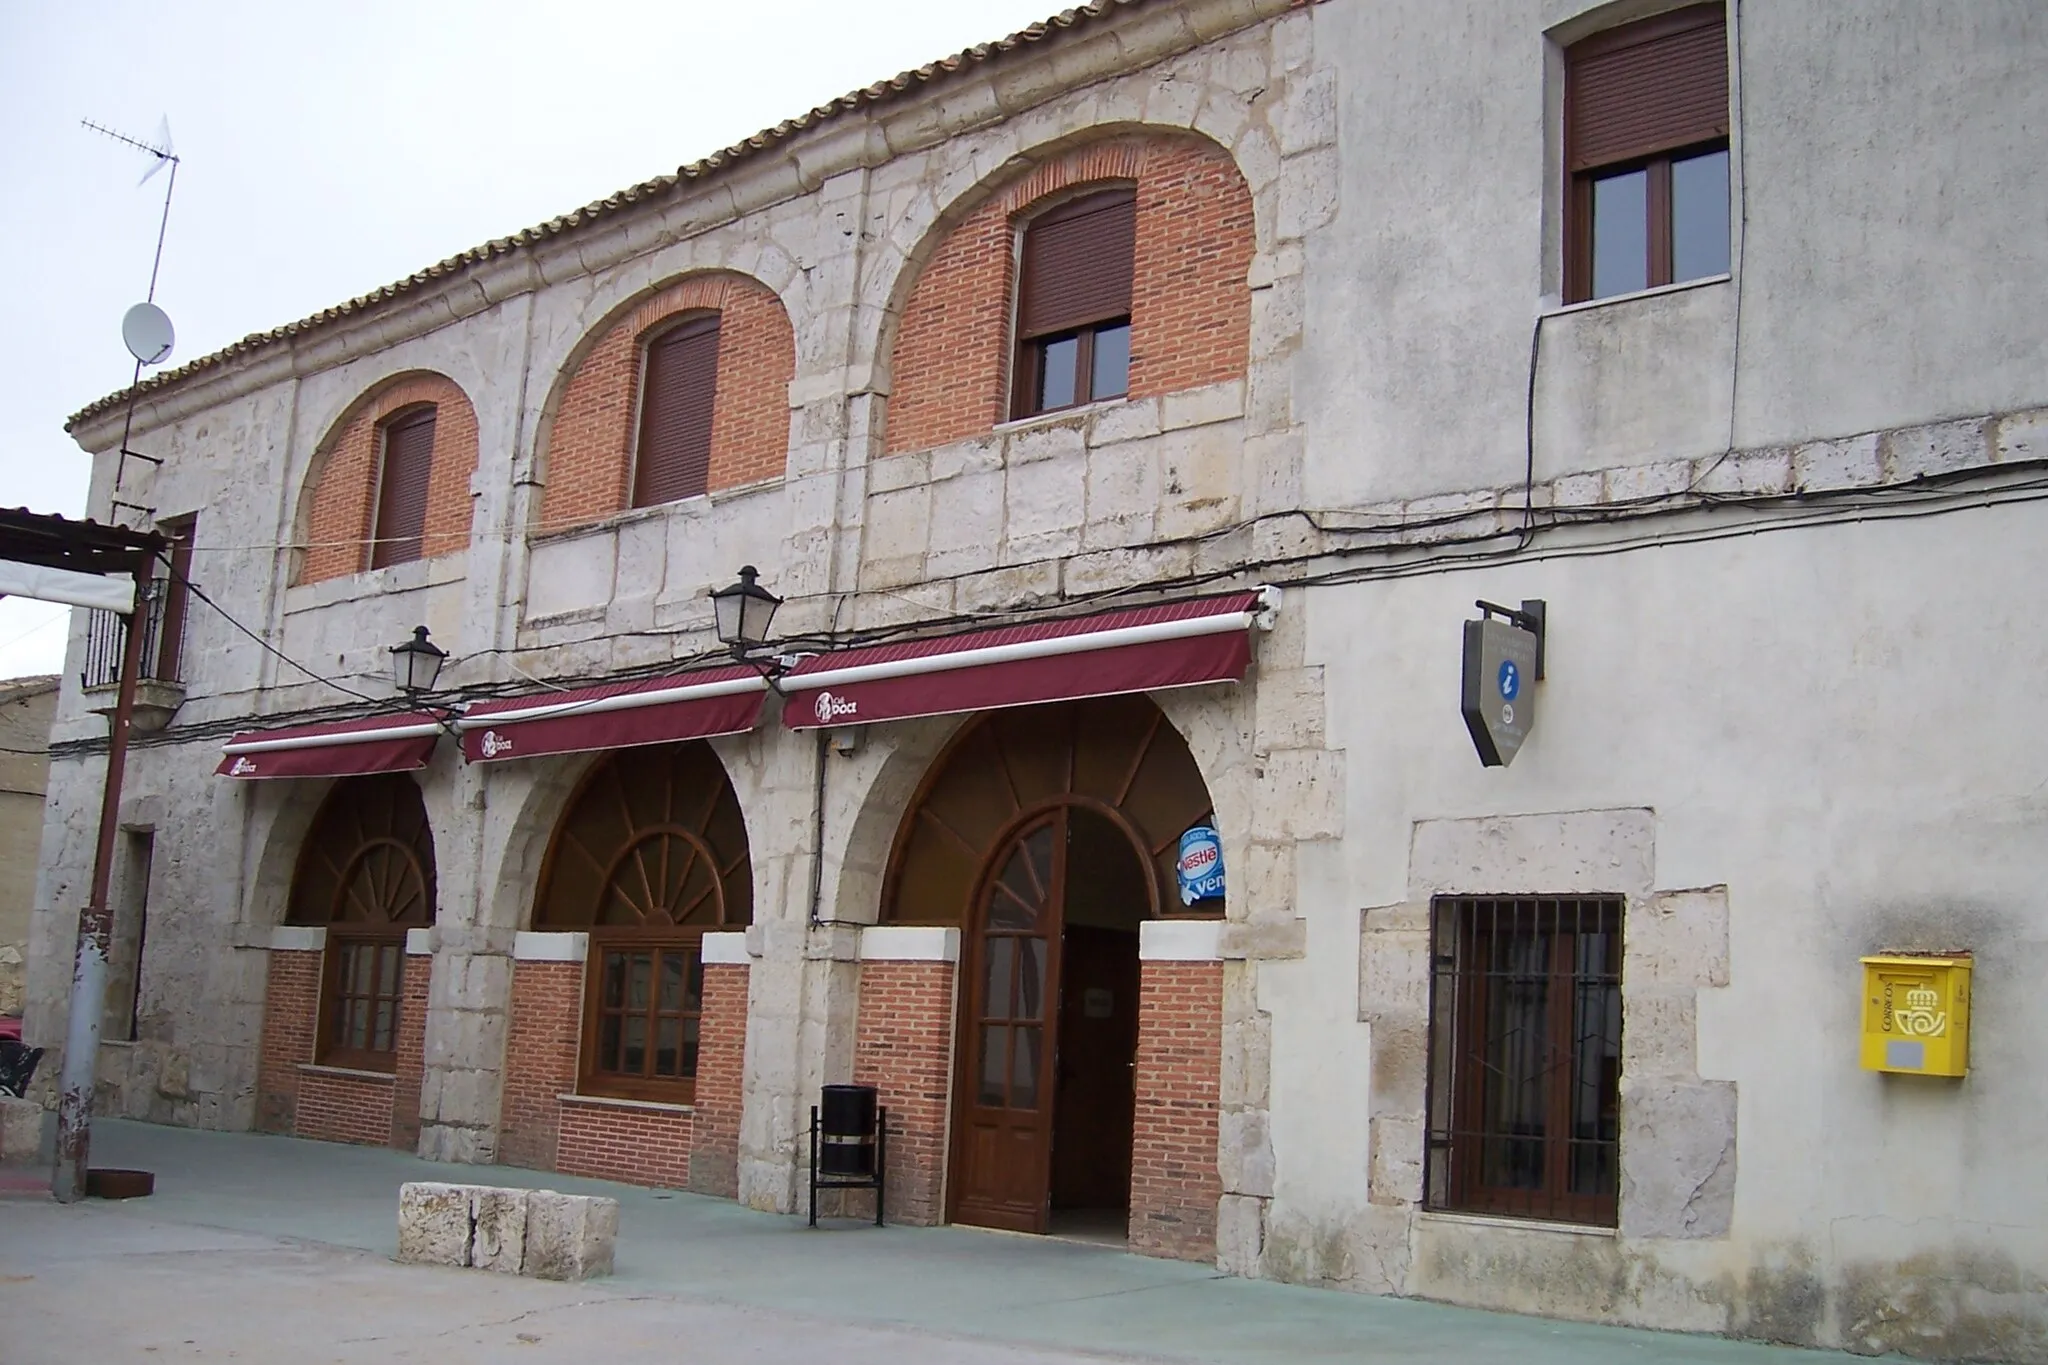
(27, 706)
(1130, 414)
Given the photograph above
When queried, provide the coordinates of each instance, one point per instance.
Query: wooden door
(1003, 1145)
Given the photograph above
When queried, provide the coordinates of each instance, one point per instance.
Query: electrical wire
(1928, 496)
(196, 591)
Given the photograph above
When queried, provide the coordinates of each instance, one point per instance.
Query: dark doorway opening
(1094, 1096)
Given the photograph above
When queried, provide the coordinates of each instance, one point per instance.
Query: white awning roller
(67, 586)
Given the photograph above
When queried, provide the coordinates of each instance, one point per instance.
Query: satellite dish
(147, 331)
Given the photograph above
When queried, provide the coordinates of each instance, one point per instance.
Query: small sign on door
(1097, 1003)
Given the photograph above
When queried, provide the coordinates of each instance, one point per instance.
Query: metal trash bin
(846, 1131)
(849, 1144)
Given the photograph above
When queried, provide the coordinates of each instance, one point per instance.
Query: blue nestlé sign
(1200, 868)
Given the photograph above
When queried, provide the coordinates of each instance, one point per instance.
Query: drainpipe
(818, 829)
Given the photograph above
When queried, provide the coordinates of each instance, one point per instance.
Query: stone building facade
(1780, 511)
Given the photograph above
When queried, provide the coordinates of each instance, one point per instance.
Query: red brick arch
(341, 490)
(1190, 301)
(589, 444)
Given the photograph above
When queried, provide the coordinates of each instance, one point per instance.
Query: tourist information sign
(1503, 660)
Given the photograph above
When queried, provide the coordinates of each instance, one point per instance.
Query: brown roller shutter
(402, 487)
(1647, 88)
(1077, 264)
(676, 399)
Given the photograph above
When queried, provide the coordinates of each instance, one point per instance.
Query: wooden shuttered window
(176, 594)
(1647, 88)
(1074, 303)
(1646, 118)
(1077, 264)
(402, 487)
(678, 386)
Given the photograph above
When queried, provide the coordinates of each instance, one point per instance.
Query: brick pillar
(540, 1053)
(291, 1014)
(903, 1046)
(412, 1042)
(1174, 1182)
(721, 1068)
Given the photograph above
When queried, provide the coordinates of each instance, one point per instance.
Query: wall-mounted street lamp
(416, 664)
(744, 611)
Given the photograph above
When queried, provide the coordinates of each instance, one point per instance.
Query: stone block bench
(540, 1233)
(21, 1131)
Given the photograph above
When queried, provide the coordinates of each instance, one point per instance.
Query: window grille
(1525, 1057)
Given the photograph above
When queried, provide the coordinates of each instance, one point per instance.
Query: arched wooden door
(1004, 1152)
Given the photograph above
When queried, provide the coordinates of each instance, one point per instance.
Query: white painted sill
(1056, 417)
(610, 1102)
(1488, 1220)
(1585, 305)
(347, 1072)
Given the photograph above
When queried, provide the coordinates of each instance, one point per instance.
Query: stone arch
(861, 850)
(585, 439)
(283, 818)
(1119, 757)
(619, 837)
(385, 873)
(537, 791)
(541, 793)
(337, 501)
(943, 353)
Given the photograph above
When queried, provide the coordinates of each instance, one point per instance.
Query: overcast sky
(331, 148)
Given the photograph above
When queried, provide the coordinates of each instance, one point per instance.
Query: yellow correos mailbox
(1916, 1014)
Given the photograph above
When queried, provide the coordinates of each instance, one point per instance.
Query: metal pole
(95, 926)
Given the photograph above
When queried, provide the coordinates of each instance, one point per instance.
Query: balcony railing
(106, 636)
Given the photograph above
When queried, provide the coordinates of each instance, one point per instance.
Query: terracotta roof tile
(881, 92)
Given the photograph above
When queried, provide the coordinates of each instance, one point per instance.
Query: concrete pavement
(265, 1248)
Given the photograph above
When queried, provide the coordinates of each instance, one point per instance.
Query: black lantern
(416, 664)
(744, 611)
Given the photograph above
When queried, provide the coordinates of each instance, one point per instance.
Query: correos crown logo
(830, 708)
(1923, 1016)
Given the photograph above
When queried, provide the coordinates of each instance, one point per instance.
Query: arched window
(1074, 303)
(678, 392)
(404, 467)
(651, 856)
(366, 872)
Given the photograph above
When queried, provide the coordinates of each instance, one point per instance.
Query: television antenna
(146, 329)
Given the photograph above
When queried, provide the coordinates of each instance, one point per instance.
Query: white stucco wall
(1835, 726)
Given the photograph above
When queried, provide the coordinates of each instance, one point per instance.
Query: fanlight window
(366, 872)
(1115, 755)
(651, 856)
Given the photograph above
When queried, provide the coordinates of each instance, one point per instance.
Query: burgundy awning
(1137, 649)
(342, 748)
(711, 701)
